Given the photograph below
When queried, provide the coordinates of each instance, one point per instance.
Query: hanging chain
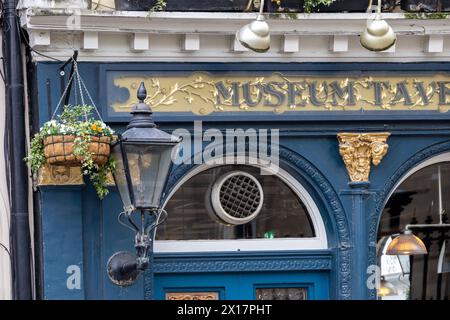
(63, 95)
(76, 95)
(79, 86)
(75, 66)
(90, 98)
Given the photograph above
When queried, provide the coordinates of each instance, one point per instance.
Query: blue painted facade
(78, 229)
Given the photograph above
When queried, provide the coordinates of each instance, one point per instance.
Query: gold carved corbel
(359, 150)
(64, 176)
(59, 175)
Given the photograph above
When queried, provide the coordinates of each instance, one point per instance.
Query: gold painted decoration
(192, 296)
(59, 175)
(203, 93)
(359, 150)
(64, 175)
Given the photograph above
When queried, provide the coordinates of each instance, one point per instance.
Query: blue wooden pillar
(359, 194)
(62, 247)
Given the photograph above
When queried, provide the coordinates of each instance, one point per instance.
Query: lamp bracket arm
(130, 224)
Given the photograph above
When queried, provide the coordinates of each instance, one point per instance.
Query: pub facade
(327, 150)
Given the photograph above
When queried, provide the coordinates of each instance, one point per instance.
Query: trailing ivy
(76, 121)
(160, 5)
(426, 15)
(308, 5)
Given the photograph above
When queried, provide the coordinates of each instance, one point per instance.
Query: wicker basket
(58, 150)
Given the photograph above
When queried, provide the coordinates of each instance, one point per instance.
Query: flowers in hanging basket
(75, 139)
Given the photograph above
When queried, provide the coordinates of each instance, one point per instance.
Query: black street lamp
(143, 156)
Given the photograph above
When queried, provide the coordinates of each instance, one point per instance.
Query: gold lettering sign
(203, 93)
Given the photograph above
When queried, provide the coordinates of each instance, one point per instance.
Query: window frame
(320, 240)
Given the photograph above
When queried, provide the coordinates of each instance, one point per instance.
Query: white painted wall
(5, 263)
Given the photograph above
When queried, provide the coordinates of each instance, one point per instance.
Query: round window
(237, 197)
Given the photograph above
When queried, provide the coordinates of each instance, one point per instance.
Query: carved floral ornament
(359, 150)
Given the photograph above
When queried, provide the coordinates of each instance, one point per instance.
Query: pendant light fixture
(255, 35)
(406, 244)
(378, 35)
(409, 244)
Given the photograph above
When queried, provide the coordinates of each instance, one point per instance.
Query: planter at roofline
(186, 5)
(425, 5)
(299, 6)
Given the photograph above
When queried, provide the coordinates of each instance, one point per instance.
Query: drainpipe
(18, 181)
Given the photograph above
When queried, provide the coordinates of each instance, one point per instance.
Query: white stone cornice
(176, 36)
(221, 23)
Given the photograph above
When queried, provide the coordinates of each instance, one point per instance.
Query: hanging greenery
(308, 5)
(75, 138)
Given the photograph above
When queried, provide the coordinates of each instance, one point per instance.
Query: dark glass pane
(120, 177)
(191, 217)
(416, 201)
(149, 166)
(281, 293)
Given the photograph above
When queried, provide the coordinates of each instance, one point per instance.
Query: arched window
(214, 205)
(416, 200)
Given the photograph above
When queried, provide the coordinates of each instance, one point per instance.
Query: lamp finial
(142, 92)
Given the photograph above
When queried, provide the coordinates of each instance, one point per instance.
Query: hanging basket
(58, 150)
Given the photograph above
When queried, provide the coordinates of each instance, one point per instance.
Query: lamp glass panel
(149, 166)
(120, 175)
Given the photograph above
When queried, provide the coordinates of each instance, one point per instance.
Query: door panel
(243, 286)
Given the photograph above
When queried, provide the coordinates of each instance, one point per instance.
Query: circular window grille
(237, 197)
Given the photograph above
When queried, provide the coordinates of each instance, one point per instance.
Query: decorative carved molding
(358, 150)
(62, 175)
(241, 265)
(59, 175)
(337, 214)
(330, 198)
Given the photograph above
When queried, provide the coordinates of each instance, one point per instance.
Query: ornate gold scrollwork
(192, 296)
(204, 93)
(358, 150)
